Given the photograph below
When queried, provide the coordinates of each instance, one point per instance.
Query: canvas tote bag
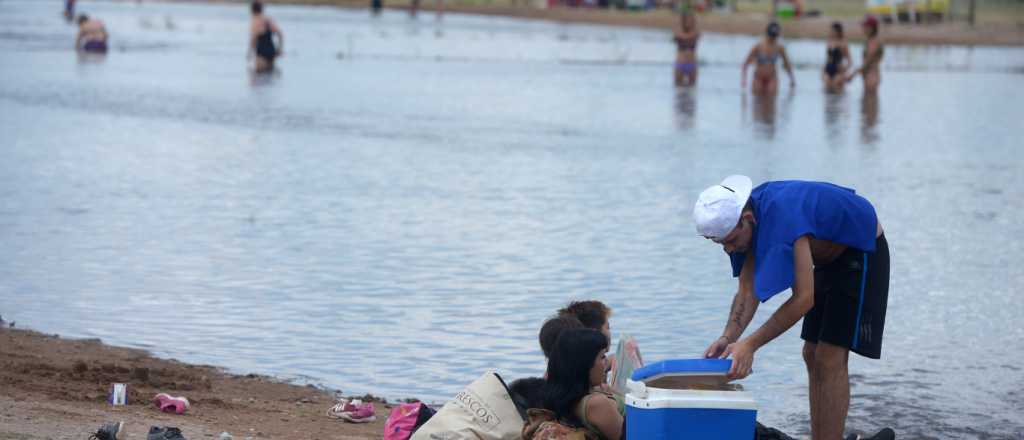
(482, 411)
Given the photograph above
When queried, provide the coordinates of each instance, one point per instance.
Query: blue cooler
(687, 414)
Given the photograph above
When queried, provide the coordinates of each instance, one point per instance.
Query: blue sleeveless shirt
(788, 210)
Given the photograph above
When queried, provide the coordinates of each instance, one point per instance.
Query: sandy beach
(996, 28)
(55, 388)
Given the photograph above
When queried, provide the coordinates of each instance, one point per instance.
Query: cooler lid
(683, 367)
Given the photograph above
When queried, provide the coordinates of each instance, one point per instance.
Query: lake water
(400, 207)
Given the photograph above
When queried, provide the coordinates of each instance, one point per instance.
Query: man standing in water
(823, 241)
(92, 35)
(261, 39)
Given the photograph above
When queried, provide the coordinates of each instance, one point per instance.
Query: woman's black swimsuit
(265, 44)
(835, 59)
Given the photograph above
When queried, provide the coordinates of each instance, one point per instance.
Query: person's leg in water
(871, 81)
(765, 85)
(832, 391)
(812, 383)
(772, 86)
(264, 64)
(757, 86)
(692, 77)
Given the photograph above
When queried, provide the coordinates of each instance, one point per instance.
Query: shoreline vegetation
(51, 387)
(999, 22)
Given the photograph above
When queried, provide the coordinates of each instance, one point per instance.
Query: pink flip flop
(168, 403)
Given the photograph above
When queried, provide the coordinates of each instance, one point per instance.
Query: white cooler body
(661, 414)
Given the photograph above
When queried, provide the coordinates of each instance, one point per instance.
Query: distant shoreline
(743, 23)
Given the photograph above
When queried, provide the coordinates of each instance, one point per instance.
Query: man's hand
(717, 347)
(742, 359)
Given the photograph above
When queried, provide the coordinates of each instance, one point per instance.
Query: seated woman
(571, 407)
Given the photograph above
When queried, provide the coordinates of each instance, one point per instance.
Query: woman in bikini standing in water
(686, 35)
(837, 60)
(765, 53)
(261, 39)
(873, 51)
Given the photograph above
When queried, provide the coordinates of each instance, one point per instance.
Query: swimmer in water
(92, 35)
(837, 60)
(686, 36)
(873, 51)
(765, 54)
(261, 39)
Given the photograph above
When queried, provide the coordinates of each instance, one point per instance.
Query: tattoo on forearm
(738, 314)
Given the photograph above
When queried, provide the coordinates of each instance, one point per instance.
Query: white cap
(719, 207)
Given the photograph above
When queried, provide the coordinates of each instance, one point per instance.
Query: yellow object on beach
(897, 6)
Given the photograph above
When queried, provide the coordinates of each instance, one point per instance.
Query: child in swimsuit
(765, 54)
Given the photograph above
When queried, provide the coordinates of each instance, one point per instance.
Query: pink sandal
(168, 403)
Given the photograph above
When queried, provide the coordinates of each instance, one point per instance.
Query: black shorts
(850, 297)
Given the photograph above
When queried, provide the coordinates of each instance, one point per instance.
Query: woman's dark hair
(257, 7)
(82, 18)
(593, 314)
(569, 371)
(554, 327)
(874, 29)
(871, 23)
(837, 27)
(773, 30)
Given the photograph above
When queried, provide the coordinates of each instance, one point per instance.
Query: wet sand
(57, 388)
(1004, 33)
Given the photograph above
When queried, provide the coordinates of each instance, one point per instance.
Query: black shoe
(109, 431)
(884, 434)
(164, 433)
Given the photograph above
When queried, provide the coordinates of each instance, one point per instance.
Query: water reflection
(869, 109)
(766, 112)
(86, 58)
(835, 111)
(686, 108)
(263, 78)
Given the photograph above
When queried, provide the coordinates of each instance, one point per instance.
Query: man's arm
(788, 314)
(744, 304)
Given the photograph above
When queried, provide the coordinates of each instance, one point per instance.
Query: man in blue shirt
(825, 243)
